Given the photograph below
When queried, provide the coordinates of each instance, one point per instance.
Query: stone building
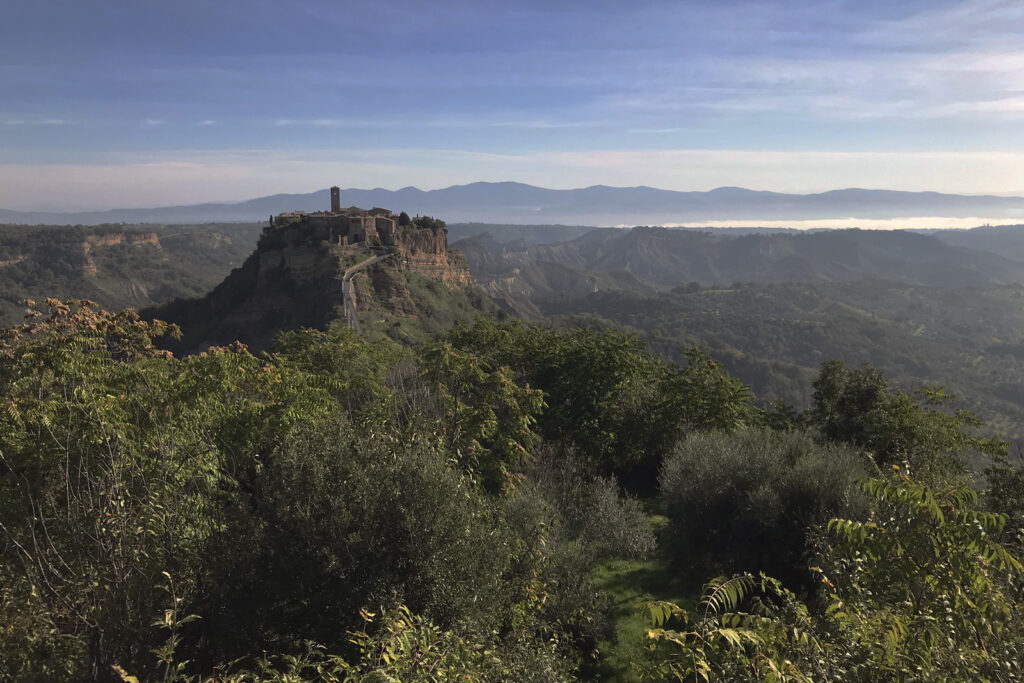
(373, 227)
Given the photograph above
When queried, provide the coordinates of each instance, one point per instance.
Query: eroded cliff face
(112, 239)
(117, 266)
(425, 251)
(97, 242)
(294, 279)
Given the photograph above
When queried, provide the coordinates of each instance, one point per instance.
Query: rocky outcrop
(112, 239)
(98, 241)
(294, 279)
(425, 251)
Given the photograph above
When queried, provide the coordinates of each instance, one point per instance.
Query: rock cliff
(294, 277)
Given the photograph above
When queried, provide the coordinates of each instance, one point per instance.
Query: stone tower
(336, 199)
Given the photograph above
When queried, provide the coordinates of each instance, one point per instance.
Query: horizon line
(230, 202)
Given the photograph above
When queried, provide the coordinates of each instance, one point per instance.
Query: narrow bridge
(348, 296)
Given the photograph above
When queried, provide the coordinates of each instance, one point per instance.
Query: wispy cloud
(657, 131)
(446, 122)
(321, 123)
(533, 78)
(37, 122)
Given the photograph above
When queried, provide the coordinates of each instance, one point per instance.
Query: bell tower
(336, 199)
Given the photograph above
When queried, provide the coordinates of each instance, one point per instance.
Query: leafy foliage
(488, 418)
(775, 337)
(96, 498)
(717, 641)
(427, 222)
(606, 396)
(924, 587)
(745, 501)
(334, 521)
(283, 492)
(336, 509)
(859, 408)
(920, 591)
(589, 506)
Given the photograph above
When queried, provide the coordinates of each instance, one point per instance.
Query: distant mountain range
(517, 203)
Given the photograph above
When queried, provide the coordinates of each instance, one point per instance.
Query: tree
(488, 418)
(113, 455)
(606, 395)
(858, 407)
(923, 588)
(101, 490)
(340, 517)
(719, 641)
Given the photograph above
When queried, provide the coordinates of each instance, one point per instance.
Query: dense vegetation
(116, 265)
(499, 501)
(335, 509)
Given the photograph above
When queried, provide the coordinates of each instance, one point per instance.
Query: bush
(590, 507)
(919, 591)
(744, 501)
(337, 520)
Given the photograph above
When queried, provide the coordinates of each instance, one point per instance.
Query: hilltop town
(355, 226)
(311, 269)
(420, 243)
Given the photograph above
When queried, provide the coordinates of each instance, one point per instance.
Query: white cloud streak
(37, 122)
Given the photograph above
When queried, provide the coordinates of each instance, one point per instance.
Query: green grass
(629, 585)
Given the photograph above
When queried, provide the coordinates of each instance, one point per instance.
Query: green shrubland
(506, 503)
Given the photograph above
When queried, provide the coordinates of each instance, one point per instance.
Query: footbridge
(347, 294)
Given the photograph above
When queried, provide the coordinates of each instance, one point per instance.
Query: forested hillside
(118, 266)
(670, 257)
(468, 499)
(943, 308)
(774, 337)
(1005, 240)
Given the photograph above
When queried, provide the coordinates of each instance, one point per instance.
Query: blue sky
(137, 102)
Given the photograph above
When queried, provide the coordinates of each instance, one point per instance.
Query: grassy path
(629, 585)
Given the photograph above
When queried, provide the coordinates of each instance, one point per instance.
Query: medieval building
(373, 227)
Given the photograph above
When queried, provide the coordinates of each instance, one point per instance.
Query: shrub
(590, 507)
(744, 501)
(919, 591)
(574, 519)
(337, 520)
